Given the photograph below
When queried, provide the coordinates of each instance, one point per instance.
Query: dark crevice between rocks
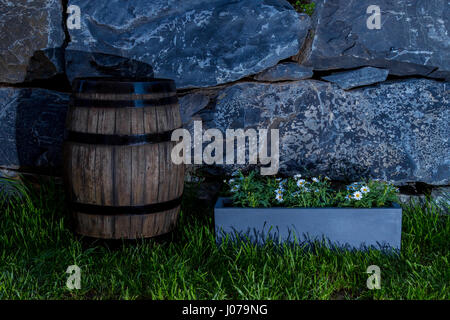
(392, 77)
(305, 50)
(418, 188)
(287, 60)
(318, 74)
(65, 4)
(185, 91)
(58, 82)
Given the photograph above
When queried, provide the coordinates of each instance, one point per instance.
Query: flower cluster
(254, 190)
(234, 183)
(358, 190)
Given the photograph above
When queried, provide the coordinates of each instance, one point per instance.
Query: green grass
(303, 6)
(37, 245)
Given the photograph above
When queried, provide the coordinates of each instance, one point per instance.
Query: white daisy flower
(278, 179)
(231, 181)
(327, 178)
(301, 182)
(357, 195)
(297, 176)
(315, 180)
(348, 197)
(279, 191)
(279, 197)
(234, 188)
(365, 189)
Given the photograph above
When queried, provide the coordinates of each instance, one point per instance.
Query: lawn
(37, 245)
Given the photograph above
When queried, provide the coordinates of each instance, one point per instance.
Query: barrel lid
(123, 85)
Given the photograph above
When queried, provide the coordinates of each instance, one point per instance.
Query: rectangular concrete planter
(353, 228)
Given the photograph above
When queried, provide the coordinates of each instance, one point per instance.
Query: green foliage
(250, 191)
(304, 6)
(264, 191)
(37, 245)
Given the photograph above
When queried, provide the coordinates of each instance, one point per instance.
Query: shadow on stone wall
(92, 64)
(41, 105)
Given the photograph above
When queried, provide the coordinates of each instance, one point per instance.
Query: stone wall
(349, 101)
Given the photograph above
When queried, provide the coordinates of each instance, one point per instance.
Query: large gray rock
(32, 125)
(198, 43)
(357, 78)
(285, 71)
(192, 103)
(413, 39)
(31, 34)
(442, 198)
(394, 131)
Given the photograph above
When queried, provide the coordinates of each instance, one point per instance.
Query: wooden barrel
(120, 179)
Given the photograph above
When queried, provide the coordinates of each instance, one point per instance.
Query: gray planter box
(351, 228)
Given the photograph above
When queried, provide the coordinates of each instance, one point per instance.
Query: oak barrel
(120, 180)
